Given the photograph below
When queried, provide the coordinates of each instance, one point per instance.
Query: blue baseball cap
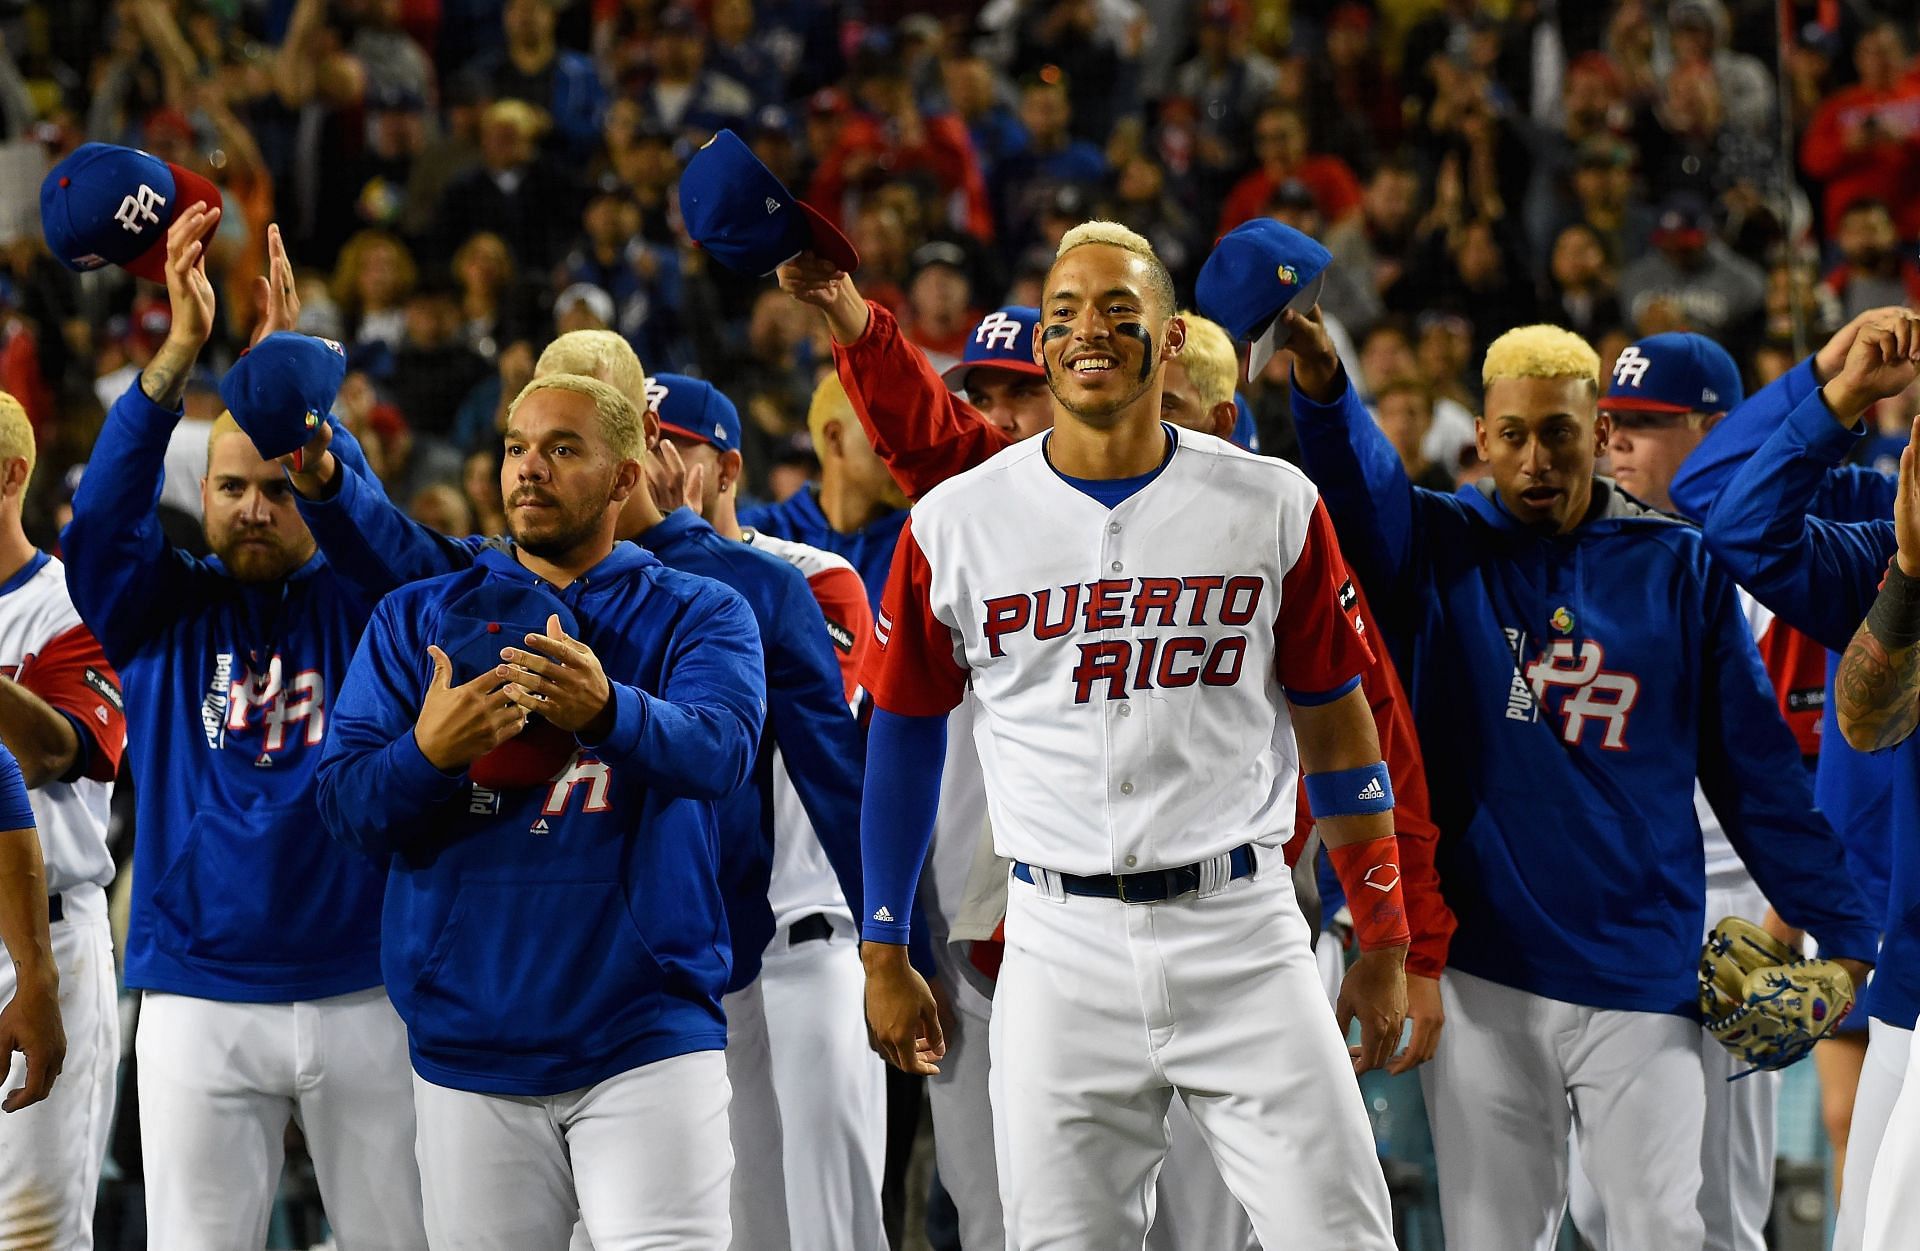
(283, 389)
(1002, 340)
(501, 613)
(1673, 373)
(109, 205)
(694, 409)
(1256, 272)
(746, 219)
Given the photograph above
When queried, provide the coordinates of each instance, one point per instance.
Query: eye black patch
(1058, 330)
(1134, 330)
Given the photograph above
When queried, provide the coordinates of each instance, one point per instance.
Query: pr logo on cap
(138, 206)
(1631, 369)
(656, 394)
(997, 330)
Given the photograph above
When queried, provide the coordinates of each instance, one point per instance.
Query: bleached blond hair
(599, 354)
(1114, 235)
(829, 403)
(1540, 352)
(16, 434)
(1212, 364)
(618, 418)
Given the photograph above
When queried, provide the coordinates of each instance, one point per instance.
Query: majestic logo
(1289, 276)
(997, 332)
(1630, 370)
(1593, 694)
(773, 206)
(656, 394)
(139, 207)
(539, 826)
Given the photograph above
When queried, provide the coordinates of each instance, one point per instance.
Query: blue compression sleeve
(905, 757)
(15, 812)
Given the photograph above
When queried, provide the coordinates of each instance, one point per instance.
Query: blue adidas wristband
(1363, 792)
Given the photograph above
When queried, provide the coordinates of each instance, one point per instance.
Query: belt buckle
(1120, 886)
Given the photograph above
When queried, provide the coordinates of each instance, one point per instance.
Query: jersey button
(1117, 566)
(1132, 860)
(1126, 710)
(1113, 527)
(1126, 788)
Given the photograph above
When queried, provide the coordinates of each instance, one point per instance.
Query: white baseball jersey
(45, 648)
(803, 881)
(1134, 721)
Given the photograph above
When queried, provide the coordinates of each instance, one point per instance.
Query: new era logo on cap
(107, 204)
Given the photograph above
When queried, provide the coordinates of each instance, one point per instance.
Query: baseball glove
(1763, 1002)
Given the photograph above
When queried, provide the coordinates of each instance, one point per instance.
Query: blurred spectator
(1864, 141)
(1713, 291)
(1386, 357)
(1798, 308)
(1698, 32)
(1094, 44)
(1697, 152)
(1475, 271)
(371, 283)
(442, 508)
(684, 93)
(974, 93)
(771, 379)
(1226, 79)
(433, 369)
(582, 306)
(1592, 113)
(1873, 270)
(889, 138)
(1141, 201)
(1580, 286)
(480, 485)
(1403, 408)
(1354, 103)
(1374, 245)
(381, 176)
(490, 310)
(1050, 157)
(514, 193)
(531, 68)
(940, 305)
(1280, 152)
(741, 53)
(1605, 200)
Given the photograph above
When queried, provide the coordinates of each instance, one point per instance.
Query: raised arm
(125, 578)
(1877, 687)
(924, 432)
(1816, 575)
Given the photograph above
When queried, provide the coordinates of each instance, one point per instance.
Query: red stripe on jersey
(911, 670)
(1318, 640)
(71, 673)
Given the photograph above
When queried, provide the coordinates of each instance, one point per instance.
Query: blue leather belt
(55, 909)
(1153, 886)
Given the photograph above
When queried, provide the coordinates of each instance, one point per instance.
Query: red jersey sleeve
(911, 670)
(843, 601)
(924, 432)
(71, 673)
(1319, 636)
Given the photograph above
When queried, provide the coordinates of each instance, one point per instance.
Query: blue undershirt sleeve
(905, 757)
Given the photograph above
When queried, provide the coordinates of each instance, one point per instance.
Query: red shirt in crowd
(1336, 192)
(1887, 170)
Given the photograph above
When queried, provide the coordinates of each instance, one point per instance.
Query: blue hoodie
(540, 940)
(381, 548)
(1569, 690)
(1822, 576)
(238, 896)
(869, 550)
(1853, 788)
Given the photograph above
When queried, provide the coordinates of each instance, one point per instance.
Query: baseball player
(856, 511)
(831, 1087)
(1595, 665)
(60, 713)
(256, 944)
(1140, 773)
(1820, 574)
(1851, 787)
(807, 717)
(1665, 393)
(555, 937)
(926, 433)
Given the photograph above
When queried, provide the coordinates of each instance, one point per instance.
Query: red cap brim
(1633, 404)
(189, 189)
(667, 427)
(828, 243)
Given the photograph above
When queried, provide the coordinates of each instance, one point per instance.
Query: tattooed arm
(1877, 688)
(164, 380)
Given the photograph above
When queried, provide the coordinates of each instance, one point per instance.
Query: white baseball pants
(1515, 1073)
(963, 1128)
(1882, 1079)
(758, 1194)
(832, 1090)
(51, 1153)
(218, 1082)
(1892, 1201)
(642, 1159)
(1105, 1010)
(1738, 1145)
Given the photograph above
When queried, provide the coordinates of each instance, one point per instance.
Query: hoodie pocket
(267, 887)
(535, 968)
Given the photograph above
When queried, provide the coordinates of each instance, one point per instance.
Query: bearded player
(1138, 735)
